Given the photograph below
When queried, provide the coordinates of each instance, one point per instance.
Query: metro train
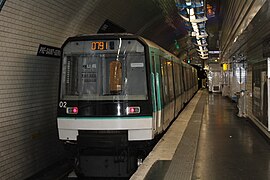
(118, 93)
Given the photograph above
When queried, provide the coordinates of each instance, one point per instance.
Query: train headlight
(133, 110)
(72, 110)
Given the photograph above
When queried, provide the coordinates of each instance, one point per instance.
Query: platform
(208, 141)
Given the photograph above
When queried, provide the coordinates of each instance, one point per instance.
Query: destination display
(99, 46)
(102, 45)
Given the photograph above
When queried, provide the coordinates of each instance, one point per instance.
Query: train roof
(84, 37)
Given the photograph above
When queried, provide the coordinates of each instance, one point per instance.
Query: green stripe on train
(104, 119)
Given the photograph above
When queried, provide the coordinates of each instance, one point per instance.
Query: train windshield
(104, 70)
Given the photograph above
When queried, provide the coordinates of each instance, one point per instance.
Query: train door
(182, 86)
(185, 83)
(156, 91)
(177, 88)
(168, 106)
(267, 94)
(169, 69)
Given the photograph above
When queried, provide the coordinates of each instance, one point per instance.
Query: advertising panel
(259, 88)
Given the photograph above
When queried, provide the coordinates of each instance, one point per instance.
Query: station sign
(225, 67)
(49, 51)
(213, 52)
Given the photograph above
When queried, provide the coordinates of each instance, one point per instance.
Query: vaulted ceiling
(157, 20)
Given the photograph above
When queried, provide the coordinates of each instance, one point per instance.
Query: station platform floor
(208, 141)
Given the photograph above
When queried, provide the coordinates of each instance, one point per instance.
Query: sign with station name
(214, 52)
(49, 51)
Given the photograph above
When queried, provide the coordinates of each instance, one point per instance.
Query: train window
(170, 80)
(181, 79)
(71, 72)
(176, 78)
(165, 82)
(115, 77)
(105, 75)
(190, 77)
(185, 78)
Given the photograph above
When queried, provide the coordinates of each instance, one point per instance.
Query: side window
(188, 78)
(153, 64)
(184, 78)
(193, 77)
(135, 84)
(115, 77)
(164, 80)
(181, 79)
(170, 79)
(176, 79)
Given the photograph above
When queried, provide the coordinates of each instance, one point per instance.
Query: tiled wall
(29, 83)
(237, 16)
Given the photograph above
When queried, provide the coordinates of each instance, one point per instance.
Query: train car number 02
(63, 104)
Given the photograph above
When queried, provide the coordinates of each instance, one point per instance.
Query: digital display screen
(99, 45)
(102, 45)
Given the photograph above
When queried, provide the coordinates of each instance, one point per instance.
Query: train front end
(104, 104)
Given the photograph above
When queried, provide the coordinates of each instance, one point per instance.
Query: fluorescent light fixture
(206, 54)
(198, 20)
(203, 45)
(188, 3)
(185, 18)
(235, 39)
(204, 57)
(202, 35)
(203, 53)
(201, 50)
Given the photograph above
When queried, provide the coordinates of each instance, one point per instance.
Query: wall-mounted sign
(213, 52)
(136, 65)
(110, 27)
(49, 51)
(2, 2)
(225, 67)
(259, 91)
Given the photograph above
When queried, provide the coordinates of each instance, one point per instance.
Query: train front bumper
(139, 128)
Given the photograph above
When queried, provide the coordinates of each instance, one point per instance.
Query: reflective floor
(229, 147)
